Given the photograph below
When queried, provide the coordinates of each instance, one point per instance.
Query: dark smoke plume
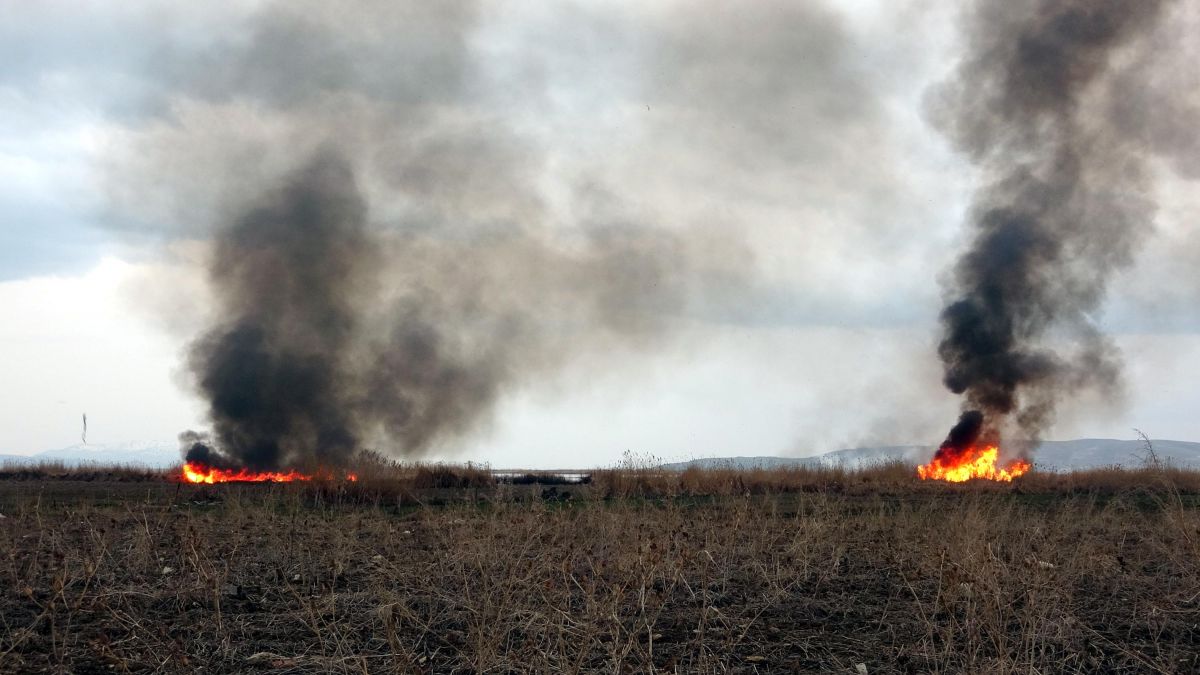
(1065, 202)
(384, 267)
(334, 334)
(274, 370)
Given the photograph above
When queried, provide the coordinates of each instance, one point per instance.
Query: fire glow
(957, 466)
(195, 472)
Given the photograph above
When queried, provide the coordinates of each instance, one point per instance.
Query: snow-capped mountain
(153, 454)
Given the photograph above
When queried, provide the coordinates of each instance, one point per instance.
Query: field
(439, 570)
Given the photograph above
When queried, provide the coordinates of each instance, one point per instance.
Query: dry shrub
(428, 476)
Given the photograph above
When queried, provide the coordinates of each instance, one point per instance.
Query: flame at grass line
(194, 472)
(969, 463)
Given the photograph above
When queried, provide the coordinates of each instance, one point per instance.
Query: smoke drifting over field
(412, 212)
(331, 333)
(1065, 201)
(384, 267)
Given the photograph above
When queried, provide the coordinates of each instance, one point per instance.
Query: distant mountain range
(1084, 453)
(142, 453)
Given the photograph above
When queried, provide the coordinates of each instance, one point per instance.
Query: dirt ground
(111, 577)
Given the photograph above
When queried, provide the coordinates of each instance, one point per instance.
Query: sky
(785, 151)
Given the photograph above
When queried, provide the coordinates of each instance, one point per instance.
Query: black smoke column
(274, 369)
(1063, 203)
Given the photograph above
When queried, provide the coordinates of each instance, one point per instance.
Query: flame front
(194, 472)
(972, 462)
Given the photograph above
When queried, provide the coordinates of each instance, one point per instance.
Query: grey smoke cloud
(384, 266)
(757, 78)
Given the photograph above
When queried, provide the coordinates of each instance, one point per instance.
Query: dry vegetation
(55, 470)
(441, 569)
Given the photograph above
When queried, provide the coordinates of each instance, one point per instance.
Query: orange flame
(973, 462)
(194, 472)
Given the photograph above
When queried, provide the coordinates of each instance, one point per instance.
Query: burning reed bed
(712, 571)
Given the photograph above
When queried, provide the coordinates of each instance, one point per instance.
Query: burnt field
(638, 571)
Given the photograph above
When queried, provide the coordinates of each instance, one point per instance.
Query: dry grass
(57, 470)
(699, 571)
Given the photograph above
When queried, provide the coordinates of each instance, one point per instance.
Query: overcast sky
(796, 132)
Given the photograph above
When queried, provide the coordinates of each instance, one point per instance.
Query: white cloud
(73, 345)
